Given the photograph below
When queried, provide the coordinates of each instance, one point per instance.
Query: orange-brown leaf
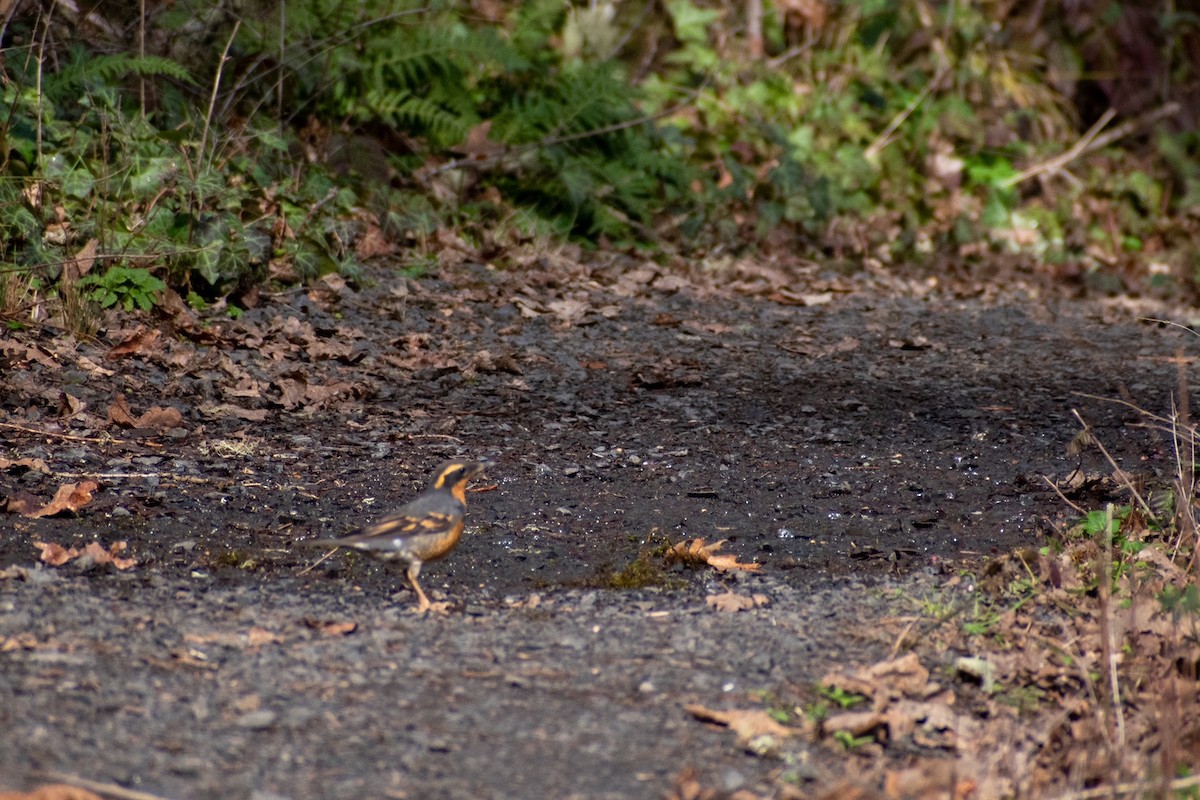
(69, 497)
(697, 551)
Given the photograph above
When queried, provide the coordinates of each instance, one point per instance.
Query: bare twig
(884, 138)
(1128, 788)
(1120, 473)
(1093, 140)
(1063, 497)
(212, 98)
(317, 563)
(116, 476)
(68, 437)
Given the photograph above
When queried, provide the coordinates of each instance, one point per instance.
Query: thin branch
(68, 437)
(1063, 497)
(883, 139)
(212, 99)
(1128, 788)
(1093, 140)
(1120, 473)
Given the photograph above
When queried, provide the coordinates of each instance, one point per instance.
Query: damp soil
(861, 450)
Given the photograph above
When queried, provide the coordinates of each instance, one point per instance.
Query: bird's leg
(414, 569)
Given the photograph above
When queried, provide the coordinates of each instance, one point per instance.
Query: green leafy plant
(851, 742)
(841, 697)
(130, 287)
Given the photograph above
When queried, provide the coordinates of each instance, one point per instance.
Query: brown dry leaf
(98, 555)
(55, 554)
(139, 342)
(120, 412)
(568, 311)
(729, 601)
(372, 243)
(901, 677)
(696, 551)
(24, 353)
(69, 497)
(160, 419)
(747, 724)
(75, 268)
(52, 791)
(478, 146)
(318, 394)
(94, 368)
(35, 464)
(23, 503)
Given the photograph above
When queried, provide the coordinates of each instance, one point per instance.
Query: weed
(129, 287)
(844, 700)
(851, 742)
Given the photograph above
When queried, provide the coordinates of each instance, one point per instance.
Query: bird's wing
(425, 516)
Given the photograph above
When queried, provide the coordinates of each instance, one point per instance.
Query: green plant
(851, 742)
(130, 287)
(840, 696)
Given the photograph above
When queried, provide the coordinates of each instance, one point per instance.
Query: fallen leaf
(159, 418)
(140, 341)
(69, 497)
(23, 503)
(35, 464)
(98, 555)
(696, 551)
(120, 412)
(23, 352)
(55, 554)
(747, 724)
(75, 268)
(93, 554)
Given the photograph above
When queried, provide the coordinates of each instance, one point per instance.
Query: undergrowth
(217, 149)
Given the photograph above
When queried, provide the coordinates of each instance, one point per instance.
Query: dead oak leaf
(731, 601)
(697, 551)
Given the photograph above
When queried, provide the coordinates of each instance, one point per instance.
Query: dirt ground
(861, 446)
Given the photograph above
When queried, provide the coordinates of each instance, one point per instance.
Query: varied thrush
(423, 530)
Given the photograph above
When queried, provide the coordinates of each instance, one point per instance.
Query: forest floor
(871, 452)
